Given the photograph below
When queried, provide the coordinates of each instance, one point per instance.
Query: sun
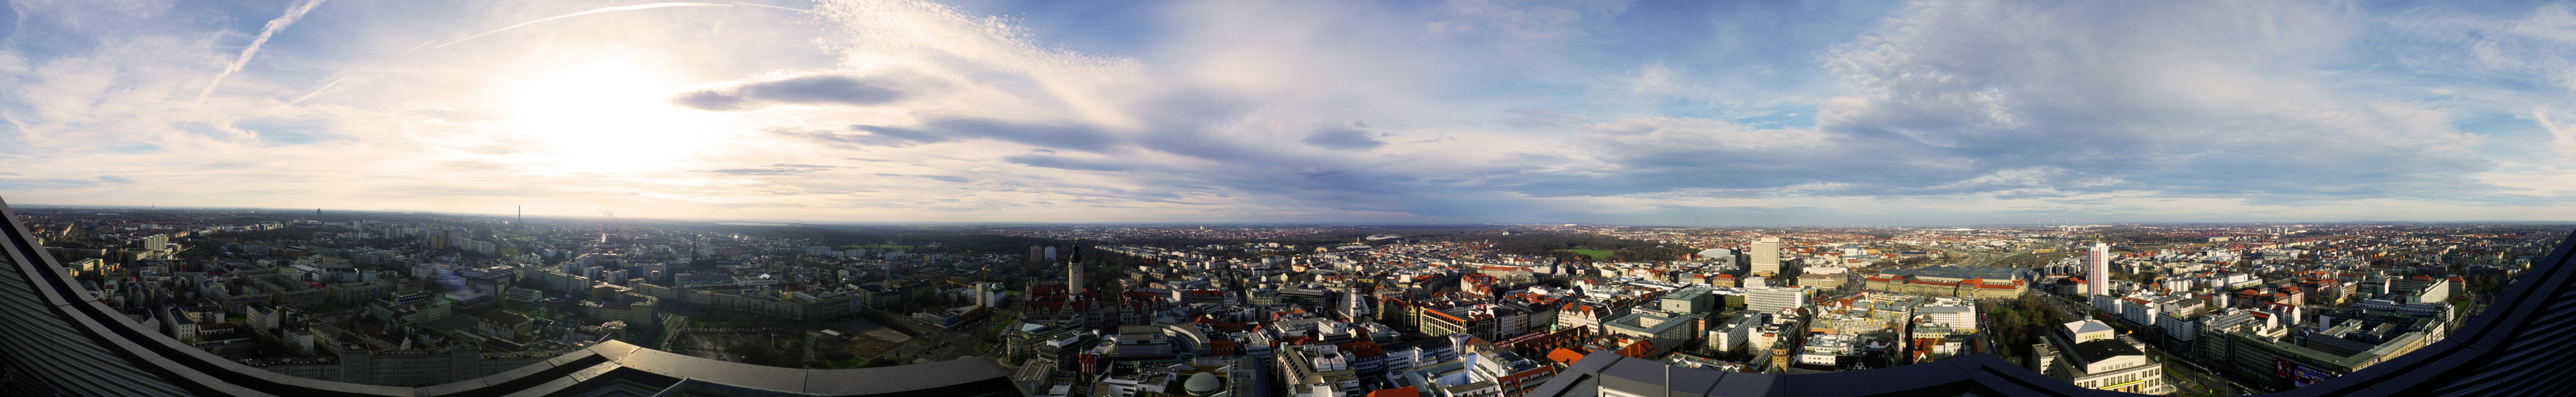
(601, 114)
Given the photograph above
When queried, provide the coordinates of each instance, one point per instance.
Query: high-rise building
(2097, 273)
(1766, 256)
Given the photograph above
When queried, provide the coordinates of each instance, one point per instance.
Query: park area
(1597, 255)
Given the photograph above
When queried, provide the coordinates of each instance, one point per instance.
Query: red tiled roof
(1566, 356)
(1406, 391)
(1364, 349)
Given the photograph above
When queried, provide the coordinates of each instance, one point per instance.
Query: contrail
(609, 9)
(777, 7)
(326, 86)
(271, 29)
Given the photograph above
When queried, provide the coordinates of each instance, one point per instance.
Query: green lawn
(1597, 255)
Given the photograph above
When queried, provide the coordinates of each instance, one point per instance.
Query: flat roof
(1961, 272)
(2096, 351)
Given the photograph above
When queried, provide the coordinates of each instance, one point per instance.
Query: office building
(1667, 333)
(1689, 301)
(1766, 256)
(1774, 299)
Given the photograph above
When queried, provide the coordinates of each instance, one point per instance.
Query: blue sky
(1684, 113)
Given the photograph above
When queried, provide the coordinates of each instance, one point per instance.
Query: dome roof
(1203, 383)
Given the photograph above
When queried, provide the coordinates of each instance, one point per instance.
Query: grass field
(1597, 255)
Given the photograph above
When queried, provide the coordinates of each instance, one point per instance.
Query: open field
(1597, 255)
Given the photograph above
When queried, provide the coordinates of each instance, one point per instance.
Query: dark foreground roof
(2518, 347)
(53, 341)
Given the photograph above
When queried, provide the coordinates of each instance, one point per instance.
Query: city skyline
(442, 303)
(594, 217)
(1819, 113)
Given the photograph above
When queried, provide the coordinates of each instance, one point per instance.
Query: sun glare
(602, 115)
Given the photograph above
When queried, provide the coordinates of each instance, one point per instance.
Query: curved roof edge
(59, 342)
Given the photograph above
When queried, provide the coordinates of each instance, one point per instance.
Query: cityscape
(422, 299)
(1287, 198)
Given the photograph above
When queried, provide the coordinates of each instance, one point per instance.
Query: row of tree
(2019, 323)
(1562, 246)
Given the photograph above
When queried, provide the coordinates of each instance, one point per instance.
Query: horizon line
(793, 222)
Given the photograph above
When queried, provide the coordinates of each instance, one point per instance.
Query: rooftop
(2096, 351)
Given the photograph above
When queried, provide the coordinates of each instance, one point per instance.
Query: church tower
(1073, 271)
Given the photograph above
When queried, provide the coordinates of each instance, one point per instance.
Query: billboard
(2298, 375)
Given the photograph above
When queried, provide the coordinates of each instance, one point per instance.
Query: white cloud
(2205, 99)
(2562, 133)
(2534, 47)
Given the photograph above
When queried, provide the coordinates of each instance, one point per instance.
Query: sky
(1305, 111)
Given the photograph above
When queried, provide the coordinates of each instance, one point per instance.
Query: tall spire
(1073, 270)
